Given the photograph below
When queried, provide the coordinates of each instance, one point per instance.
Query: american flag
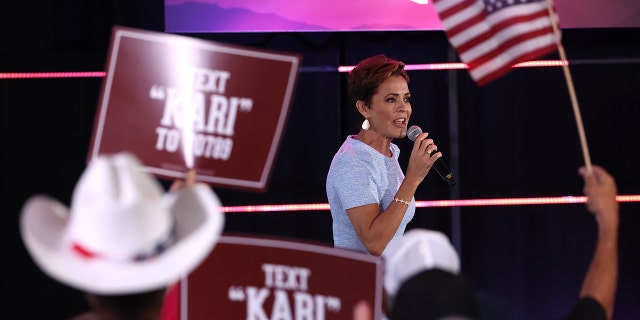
(490, 36)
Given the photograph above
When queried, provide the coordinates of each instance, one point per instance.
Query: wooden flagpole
(572, 92)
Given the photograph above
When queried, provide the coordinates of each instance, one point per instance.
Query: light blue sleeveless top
(360, 175)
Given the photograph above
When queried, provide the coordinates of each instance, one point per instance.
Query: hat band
(148, 253)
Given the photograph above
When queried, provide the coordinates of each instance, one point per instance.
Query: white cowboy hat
(122, 234)
(416, 251)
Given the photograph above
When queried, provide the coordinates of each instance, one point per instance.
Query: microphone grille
(414, 132)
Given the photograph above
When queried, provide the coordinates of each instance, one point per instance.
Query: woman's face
(390, 108)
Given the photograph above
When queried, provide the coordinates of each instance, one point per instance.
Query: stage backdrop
(362, 15)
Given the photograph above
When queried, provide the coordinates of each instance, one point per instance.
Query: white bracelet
(401, 201)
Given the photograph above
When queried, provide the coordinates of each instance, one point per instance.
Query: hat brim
(199, 222)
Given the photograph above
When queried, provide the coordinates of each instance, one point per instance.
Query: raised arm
(189, 180)
(601, 280)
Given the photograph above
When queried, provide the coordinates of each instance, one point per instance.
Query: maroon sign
(183, 103)
(264, 278)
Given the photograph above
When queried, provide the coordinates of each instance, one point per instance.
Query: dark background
(515, 137)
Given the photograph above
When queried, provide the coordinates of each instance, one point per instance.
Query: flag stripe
(502, 42)
(490, 42)
(447, 8)
(488, 77)
(460, 13)
(472, 25)
(504, 30)
(527, 50)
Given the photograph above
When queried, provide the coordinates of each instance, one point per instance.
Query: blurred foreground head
(423, 280)
(121, 234)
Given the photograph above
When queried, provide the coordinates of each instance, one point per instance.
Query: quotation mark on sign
(236, 294)
(157, 93)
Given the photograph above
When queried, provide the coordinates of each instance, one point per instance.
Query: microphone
(441, 168)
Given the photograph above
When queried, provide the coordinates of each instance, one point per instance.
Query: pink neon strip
(41, 75)
(456, 66)
(436, 66)
(435, 203)
(427, 66)
(542, 63)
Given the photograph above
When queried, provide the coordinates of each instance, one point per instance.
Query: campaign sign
(182, 103)
(257, 278)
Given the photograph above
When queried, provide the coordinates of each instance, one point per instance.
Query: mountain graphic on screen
(199, 17)
(202, 17)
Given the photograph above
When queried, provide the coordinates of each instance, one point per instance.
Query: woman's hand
(423, 155)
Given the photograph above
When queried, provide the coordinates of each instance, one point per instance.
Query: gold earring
(365, 124)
